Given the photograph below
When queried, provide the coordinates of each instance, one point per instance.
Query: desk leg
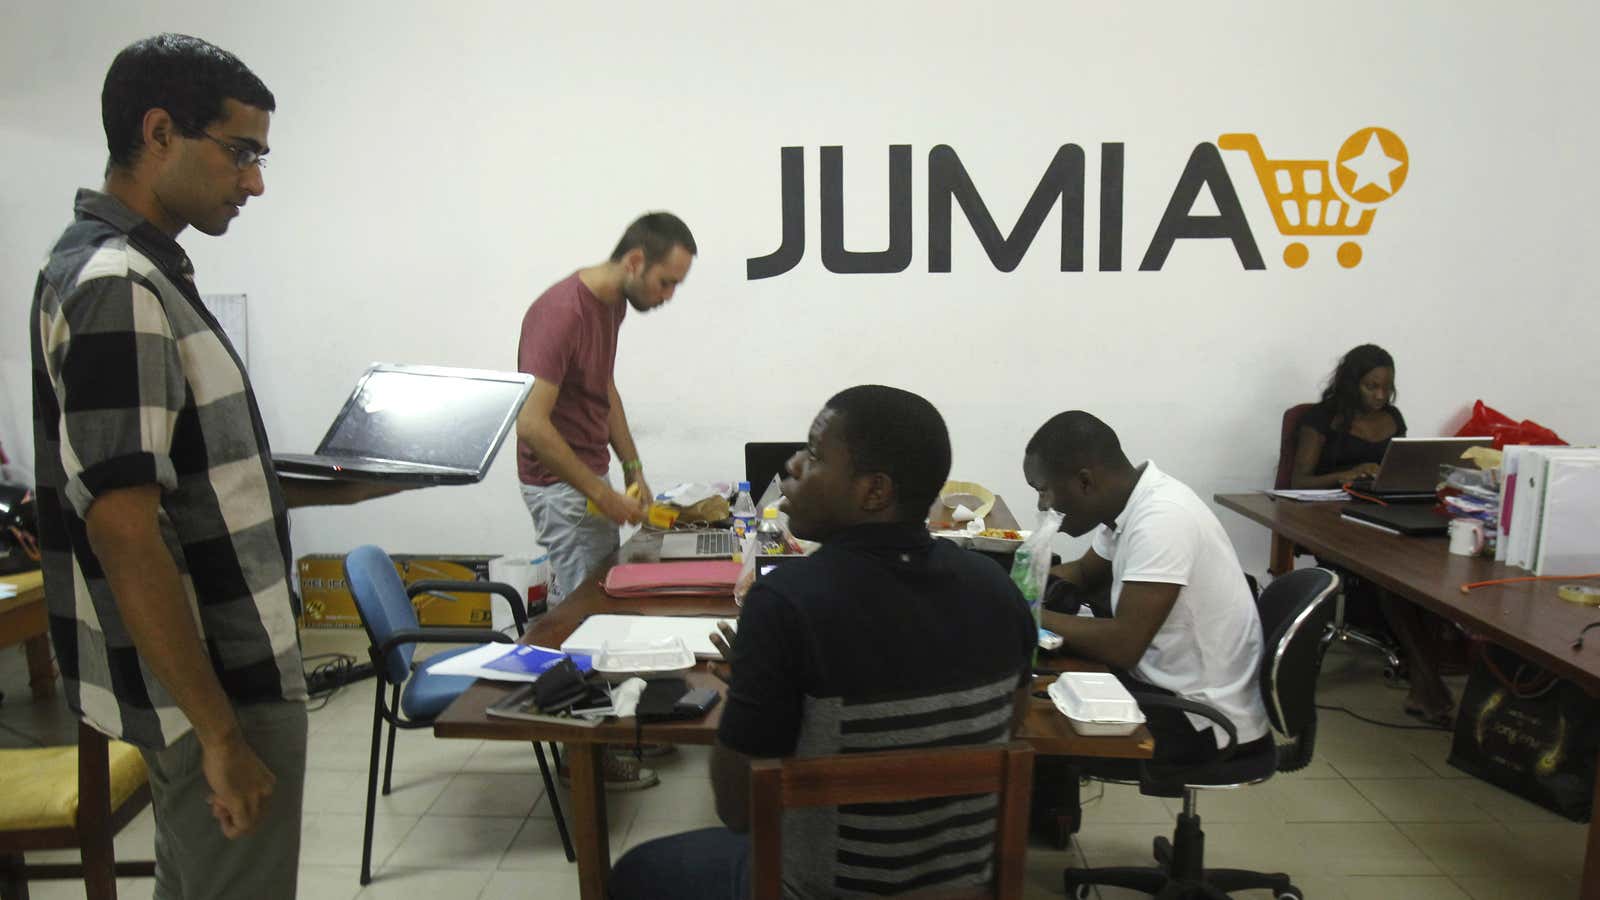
(1589, 888)
(590, 833)
(41, 668)
(1281, 560)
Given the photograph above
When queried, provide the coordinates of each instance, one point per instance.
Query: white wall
(435, 166)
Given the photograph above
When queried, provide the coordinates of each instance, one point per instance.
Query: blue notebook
(531, 660)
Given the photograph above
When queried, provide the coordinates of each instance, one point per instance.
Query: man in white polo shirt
(1183, 620)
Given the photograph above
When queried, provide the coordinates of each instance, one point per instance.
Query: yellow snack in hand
(633, 490)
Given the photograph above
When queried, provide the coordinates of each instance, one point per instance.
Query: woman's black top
(1342, 450)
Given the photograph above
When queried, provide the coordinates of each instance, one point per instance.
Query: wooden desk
(1527, 618)
(24, 620)
(1045, 728)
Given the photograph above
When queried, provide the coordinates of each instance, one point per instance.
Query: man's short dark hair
(1075, 440)
(901, 435)
(187, 77)
(657, 233)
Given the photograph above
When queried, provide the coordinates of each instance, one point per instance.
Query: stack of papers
(1324, 495)
(506, 662)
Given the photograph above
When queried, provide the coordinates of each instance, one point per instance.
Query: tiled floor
(1378, 814)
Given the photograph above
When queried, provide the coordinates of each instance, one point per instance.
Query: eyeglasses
(243, 157)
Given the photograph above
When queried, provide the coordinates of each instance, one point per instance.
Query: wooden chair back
(897, 775)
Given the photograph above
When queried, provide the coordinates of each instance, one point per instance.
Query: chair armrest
(441, 636)
(519, 614)
(1164, 701)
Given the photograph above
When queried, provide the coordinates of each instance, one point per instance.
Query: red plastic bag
(1486, 421)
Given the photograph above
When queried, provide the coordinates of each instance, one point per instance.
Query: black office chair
(417, 696)
(1394, 668)
(1295, 614)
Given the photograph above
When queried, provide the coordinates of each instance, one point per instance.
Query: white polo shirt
(1209, 648)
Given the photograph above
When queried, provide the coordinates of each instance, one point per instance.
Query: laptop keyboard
(714, 543)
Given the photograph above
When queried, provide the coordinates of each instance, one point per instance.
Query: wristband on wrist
(632, 465)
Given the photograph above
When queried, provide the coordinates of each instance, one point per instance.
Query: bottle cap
(744, 486)
(770, 512)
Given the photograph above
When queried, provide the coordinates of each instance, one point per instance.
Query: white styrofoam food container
(1096, 703)
(621, 660)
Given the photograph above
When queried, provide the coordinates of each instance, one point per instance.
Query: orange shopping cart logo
(1370, 167)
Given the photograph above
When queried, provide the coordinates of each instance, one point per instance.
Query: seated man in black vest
(885, 638)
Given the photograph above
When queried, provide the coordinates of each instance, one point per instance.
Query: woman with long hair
(1340, 441)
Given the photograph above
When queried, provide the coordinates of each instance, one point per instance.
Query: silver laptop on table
(416, 425)
(1410, 467)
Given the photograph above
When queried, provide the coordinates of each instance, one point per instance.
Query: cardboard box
(327, 603)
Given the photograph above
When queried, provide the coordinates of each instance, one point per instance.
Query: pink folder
(666, 579)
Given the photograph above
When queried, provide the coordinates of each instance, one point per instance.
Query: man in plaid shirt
(163, 528)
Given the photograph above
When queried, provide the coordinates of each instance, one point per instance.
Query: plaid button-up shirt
(134, 383)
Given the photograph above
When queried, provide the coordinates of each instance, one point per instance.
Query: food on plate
(1008, 534)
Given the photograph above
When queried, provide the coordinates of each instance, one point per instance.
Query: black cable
(334, 673)
(1395, 725)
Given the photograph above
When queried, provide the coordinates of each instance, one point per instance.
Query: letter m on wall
(948, 178)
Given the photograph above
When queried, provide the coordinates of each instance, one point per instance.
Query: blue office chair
(1295, 611)
(417, 697)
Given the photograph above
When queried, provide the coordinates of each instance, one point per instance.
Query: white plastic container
(528, 576)
(621, 660)
(1096, 703)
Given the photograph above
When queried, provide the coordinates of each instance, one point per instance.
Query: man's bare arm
(1120, 641)
(125, 533)
(535, 429)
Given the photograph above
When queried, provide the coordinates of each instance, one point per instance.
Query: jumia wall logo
(1308, 199)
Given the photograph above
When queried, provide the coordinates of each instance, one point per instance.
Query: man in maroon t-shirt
(569, 346)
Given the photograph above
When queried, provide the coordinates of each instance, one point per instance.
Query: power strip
(324, 680)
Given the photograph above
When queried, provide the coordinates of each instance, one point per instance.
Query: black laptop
(1402, 518)
(417, 425)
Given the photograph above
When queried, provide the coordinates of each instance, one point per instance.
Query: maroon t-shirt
(569, 336)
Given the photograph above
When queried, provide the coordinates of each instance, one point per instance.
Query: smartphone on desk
(697, 702)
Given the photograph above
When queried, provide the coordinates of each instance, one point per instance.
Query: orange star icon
(1372, 165)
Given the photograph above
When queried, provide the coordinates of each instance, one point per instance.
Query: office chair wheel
(1292, 893)
(1083, 892)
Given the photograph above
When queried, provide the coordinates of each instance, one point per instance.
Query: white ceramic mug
(1466, 537)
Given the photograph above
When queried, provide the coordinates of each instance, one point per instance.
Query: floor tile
(334, 839)
(1336, 849)
(328, 882)
(537, 846)
(397, 883)
(1421, 800)
(488, 794)
(1483, 850)
(346, 792)
(525, 885)
(1522, 888)
(1320, 801)
(456, 842)
(1405, 888)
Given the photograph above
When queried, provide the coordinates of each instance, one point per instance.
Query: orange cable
(1354, 493)
(1466, 588)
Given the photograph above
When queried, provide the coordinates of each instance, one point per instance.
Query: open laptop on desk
(1409, 471)
(416, 425)
(707, 543)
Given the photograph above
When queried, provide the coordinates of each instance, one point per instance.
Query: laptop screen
(438, 417)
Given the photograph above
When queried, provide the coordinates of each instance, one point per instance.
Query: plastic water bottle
(770, 539)
(744, 513)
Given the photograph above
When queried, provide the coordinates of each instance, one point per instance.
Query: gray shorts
(194, 861)
(576, 538)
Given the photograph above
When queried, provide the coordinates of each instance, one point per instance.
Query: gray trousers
(194, 861)
(576, 538)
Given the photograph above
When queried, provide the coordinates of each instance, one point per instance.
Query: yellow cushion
(39, 788)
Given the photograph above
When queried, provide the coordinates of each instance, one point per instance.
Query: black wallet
(559, 687)
(658, 702)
